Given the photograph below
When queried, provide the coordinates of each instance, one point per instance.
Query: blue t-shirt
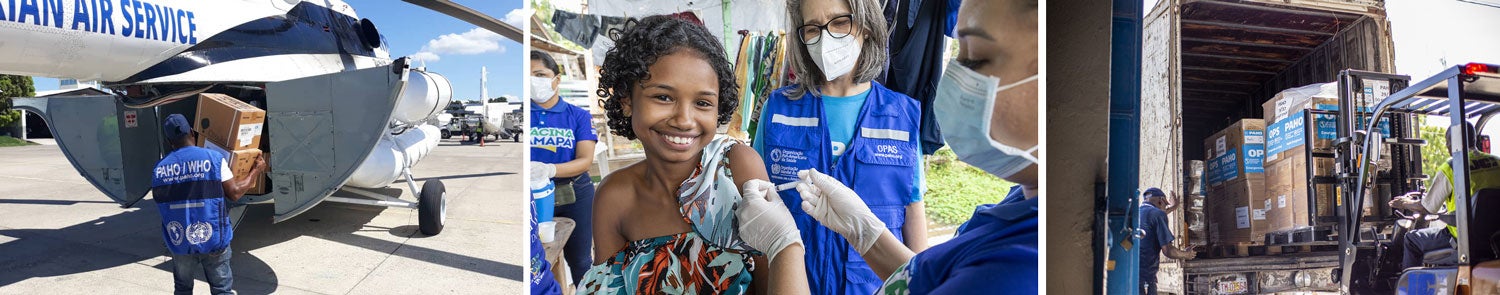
(1158, 234)
(842, 113)
(555, 132)
(999, 239)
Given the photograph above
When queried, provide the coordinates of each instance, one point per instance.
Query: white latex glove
(838, 208)
(765, 223)
(542, 171)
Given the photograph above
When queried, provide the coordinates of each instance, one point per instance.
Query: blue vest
(190, 195)
(878, 164)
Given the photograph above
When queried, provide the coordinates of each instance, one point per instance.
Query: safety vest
(1484, 172)
(878, 164)
(189, 192)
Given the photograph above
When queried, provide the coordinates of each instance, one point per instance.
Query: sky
(451, 47)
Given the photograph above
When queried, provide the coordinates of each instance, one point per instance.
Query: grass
(7, 141)
(955, 188)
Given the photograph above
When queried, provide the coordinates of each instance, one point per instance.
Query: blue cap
(176, 127)
(1155, 192)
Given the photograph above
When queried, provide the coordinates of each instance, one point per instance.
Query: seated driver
(1484, 172)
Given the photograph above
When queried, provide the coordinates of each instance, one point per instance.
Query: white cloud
(517, 17)
(474, 41)
(425, 56)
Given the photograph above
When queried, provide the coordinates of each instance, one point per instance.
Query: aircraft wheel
(432, 207)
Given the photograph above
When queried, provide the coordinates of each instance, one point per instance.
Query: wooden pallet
(1257, 249)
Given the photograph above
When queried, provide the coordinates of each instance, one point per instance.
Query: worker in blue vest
(193, 187)
(987, 104)
(562, 148)
(835, 118)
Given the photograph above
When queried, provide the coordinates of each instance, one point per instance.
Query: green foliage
(7, 141)
(1435, 152)
(955, 188)
(13, 86)
(544, 11)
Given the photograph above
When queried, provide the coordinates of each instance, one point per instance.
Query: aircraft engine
(426, 94)
(392, 153)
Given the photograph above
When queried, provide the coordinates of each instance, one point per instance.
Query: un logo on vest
(199, 232)
(775, 155)
(174, 232)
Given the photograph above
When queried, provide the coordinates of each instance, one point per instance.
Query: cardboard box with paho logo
(1289, 159)
(1235, 175)
(1236, 152)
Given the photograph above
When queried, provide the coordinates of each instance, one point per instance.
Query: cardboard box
(1287, 191)
(1235, 152)
(228, 122)
(1236, 214)
(241, 162)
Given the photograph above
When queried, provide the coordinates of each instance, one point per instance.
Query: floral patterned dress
(710, 259)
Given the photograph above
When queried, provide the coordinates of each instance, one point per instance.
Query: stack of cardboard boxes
(233, 128)
(1287, 158)
(1236, 180)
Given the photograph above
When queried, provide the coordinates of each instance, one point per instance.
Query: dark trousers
(1419, 242)
(579, 251)
(215, 269)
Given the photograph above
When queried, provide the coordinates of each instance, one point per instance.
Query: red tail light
(1473, 68)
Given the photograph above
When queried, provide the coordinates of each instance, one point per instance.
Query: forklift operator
(1484, 173)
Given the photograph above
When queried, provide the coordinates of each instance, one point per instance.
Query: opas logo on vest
(888, 151)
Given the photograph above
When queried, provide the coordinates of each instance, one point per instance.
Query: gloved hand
(542, 171)
(765, 223)
(838, 208)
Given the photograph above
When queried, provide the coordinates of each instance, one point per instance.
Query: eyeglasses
(838, 27)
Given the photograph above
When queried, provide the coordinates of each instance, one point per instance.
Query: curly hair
(628, 63)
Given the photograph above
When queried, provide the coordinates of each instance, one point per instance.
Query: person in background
(1158, 237)
(193, 187)
(562, 148)
(989, 125)
(835, 118)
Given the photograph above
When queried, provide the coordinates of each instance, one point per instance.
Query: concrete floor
(59, 235)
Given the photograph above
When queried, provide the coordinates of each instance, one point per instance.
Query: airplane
(341, 113)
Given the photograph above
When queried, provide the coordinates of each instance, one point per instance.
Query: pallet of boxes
(1297, 168)
(233, 128)
(1235, 175)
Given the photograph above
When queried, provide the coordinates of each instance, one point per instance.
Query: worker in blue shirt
(192, 187)
(836, 119)
(562, 148)
(989, 125)
(1157, 237)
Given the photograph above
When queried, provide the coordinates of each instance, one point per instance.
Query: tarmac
(60, 235)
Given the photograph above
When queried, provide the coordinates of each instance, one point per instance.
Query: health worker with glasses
(835, 118)
(987, 104)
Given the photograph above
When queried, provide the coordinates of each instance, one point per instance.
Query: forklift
(1370, 245)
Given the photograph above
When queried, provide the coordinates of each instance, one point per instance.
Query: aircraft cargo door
(321, 128)
(111, 146)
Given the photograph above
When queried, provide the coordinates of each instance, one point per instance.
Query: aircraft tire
(430, 207)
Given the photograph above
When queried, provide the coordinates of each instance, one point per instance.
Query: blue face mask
(964, 95)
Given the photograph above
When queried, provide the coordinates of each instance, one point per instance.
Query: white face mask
(835, 56)
(964, 95)
(541, 89)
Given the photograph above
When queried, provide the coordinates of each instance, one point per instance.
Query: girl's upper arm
(609, 204)
(745, 164)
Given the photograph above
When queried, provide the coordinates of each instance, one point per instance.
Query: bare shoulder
(617, 189)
